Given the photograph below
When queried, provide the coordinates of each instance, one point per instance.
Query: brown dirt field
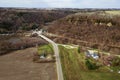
(18, 65)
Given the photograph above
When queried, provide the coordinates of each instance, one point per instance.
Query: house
(43, 56)
(92, 53)
(119, 72)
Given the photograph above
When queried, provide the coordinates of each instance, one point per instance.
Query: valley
(59, 44)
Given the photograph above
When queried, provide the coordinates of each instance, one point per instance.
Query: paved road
(56, 51)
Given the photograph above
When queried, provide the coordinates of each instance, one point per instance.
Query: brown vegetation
(96, 28)
(15, 19)
(16, 43)
(18, 65)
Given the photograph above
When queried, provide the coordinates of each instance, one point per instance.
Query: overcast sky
(61, 3)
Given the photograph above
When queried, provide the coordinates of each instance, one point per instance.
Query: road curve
(56, 51)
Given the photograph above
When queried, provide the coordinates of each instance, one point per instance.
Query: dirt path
(18, 65)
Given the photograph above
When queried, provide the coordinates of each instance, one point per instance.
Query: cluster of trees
(96, 28)
(91, 65)
(116, 61)
(13, 20)
(19, 43)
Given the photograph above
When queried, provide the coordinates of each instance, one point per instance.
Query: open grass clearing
(48, 49)
(74, 68)
(69, 46)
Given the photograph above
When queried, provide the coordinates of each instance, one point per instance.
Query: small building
(119, 72)
(43, 56)
(92, 53)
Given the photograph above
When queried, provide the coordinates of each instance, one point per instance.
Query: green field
(74, 67)
(48, 49)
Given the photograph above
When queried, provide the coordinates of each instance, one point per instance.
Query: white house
(92, 53)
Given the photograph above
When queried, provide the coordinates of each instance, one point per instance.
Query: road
(56, 51)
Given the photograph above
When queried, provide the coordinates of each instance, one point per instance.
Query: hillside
(96, 27)
(26, 19)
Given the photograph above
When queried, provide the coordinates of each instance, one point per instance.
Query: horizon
(54, 8)
(61, 4)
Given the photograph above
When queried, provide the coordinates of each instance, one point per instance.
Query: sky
(61, 3)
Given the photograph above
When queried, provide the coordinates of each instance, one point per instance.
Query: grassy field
(74, 67)
(113, 12)
(45, 49)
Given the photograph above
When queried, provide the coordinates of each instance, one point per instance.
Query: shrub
(79, 49)
(91, 65)
(116, 61)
